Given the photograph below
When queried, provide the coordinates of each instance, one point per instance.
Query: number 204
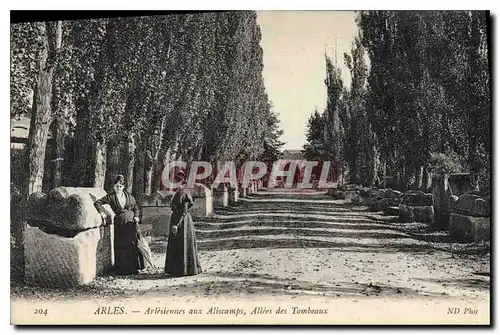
(40, 311)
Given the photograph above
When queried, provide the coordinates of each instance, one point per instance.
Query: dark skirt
(128, 259)
(182, 255)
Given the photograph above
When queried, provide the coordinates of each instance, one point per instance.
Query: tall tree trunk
(42, 104)
(41, 118)
(474, 164)
(60, 127)
(80, 170)
(419, 170)
(148, 171)
(374, 166)
(157, 172)
(99, 172)
(112, 162)
(165, 158)
(426, 179)
(138, 188)
(129, 162)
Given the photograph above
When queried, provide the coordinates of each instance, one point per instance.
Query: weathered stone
(418, 198)
(383, 204)
(393, 211)
(442, 192)
(469, 229)
(221, 196)
(390, 193)
(155, 211)
(406, 213)
(250, 189)
(424, 214)
(381, 199)
(163, 198)
(69, 208)
(465, 204)
(234, 196)
(364, 192)
(203, 200)
(350, 187)
(350, 195)
(158, 217)
(356, 199)
(459, 183)
(243, 191)
(482, 207)
(364, 196)
(55, 261)
(339, 194)
(146, 200)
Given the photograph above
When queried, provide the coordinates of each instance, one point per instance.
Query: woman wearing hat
(128, 259)
(182, 255)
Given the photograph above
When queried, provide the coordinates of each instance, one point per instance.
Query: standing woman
(128, 259)
(182, 255)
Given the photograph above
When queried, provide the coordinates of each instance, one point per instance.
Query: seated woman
(182, 255)
(128, 259)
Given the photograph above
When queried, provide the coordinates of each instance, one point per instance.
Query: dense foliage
(136, 92)
(419, 101)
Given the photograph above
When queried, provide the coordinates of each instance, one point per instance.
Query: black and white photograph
(250, 167)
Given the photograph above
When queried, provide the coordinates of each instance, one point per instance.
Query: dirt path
(284, 244)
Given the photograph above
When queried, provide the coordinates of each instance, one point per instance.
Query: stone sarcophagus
(243, 190)
(66, 241)
(364, 196)
(351, 192)
(220, 195)
(203, 201)
(384, 199)
(234, 195)
(337, 193)
(470, 220)
(156, 211)
(417, 206)
(251, 187)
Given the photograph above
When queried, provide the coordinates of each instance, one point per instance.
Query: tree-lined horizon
(420, 107)
(130, 94)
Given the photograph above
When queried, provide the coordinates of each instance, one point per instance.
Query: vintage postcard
(251, 167)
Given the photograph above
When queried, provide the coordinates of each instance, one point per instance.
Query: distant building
(19, 132)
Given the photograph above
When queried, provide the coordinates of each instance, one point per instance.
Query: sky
(294, 44)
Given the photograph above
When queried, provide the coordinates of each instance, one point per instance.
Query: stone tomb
(364, 196)
(384, 199)
(234, 196)
(417, 206)
(442, 192)
(243, 190)
(203, 201)
(220, 195)
(470, 220)
(459, 183)
(66, 241)
(155, 211)
(250, 189)
(259, 185)
(351, 192)
(336, 193)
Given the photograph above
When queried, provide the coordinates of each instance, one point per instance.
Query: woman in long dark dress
(128, 259)
(182, 255)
